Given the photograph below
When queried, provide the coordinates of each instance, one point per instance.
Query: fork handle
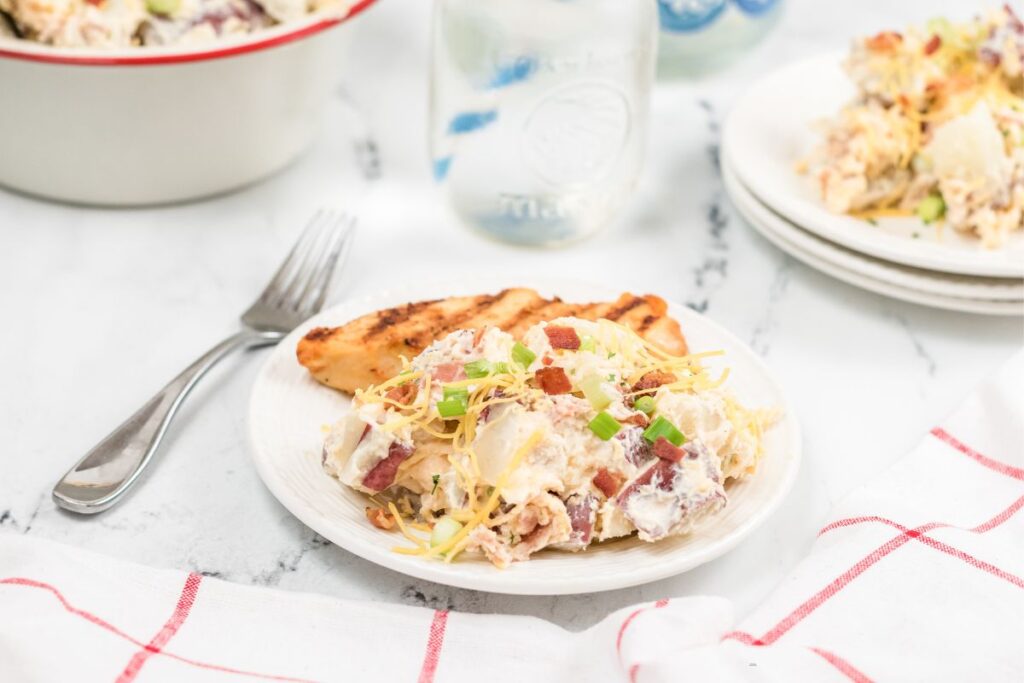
(102, 477)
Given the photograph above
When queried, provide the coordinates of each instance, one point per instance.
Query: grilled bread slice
(368, 349)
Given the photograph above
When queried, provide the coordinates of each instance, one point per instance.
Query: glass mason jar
(702, 36)
(539, 112)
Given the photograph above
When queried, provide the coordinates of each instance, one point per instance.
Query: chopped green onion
(931, 208)
(436, 478)
(611, 354)
(455, 402)
(501, 368)
(163, 7)
(523, 355)
(645, 404)
(451, 408)
(443, 531)
(588, 343)
(478, 368)
(459, 393)
(662, 427)
(604, 426)
(941, 27)
(591, 388)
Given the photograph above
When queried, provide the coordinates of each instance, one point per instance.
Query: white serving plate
(288, 411)
(898, 282)
(771, 128)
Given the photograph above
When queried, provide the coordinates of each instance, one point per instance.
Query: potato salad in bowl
(579, 433)
(127, 23)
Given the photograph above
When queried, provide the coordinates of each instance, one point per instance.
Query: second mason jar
(539, 112)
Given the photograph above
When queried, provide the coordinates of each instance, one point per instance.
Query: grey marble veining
(101, 307)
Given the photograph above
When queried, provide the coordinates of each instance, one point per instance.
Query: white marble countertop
(101, 307)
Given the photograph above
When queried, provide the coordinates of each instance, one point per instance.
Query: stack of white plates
(772, 127)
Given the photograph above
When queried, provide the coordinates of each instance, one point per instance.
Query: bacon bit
(638, 419)
(403, 394)
(886, 41)
(933, 44)
(380, 518)
(553, 381)
(664, 449)
(527, 522)
(562, 337)
(383, 473)
(652, 380)
(449, 372)
(608, 482)
(547, 360)
(478, 336)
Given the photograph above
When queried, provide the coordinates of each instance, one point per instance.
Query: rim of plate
(766, 225)
(519, 581)
(274, 36)
(751, 162)
(926, 281)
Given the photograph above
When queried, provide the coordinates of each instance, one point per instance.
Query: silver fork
(297, 291)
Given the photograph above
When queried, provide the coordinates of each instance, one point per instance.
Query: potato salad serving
(580, 432)
(936, 129)
(128, 23)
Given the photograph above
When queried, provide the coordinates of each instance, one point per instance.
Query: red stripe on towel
(1001, 467)
(632, 671)
(435, 641)
(843, 666)
(107, 626)
(177, 618)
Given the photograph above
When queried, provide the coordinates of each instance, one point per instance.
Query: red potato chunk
(382, 475)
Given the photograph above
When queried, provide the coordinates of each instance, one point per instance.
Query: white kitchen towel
(919, 577)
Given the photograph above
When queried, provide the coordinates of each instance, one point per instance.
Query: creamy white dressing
(349, 455)
(705, 418)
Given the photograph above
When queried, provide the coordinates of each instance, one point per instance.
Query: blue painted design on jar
(469, 121)
(689, 15)
(513, 72)
(441, 168)
(756, 7)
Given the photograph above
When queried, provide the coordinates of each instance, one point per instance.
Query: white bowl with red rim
(154, 125)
